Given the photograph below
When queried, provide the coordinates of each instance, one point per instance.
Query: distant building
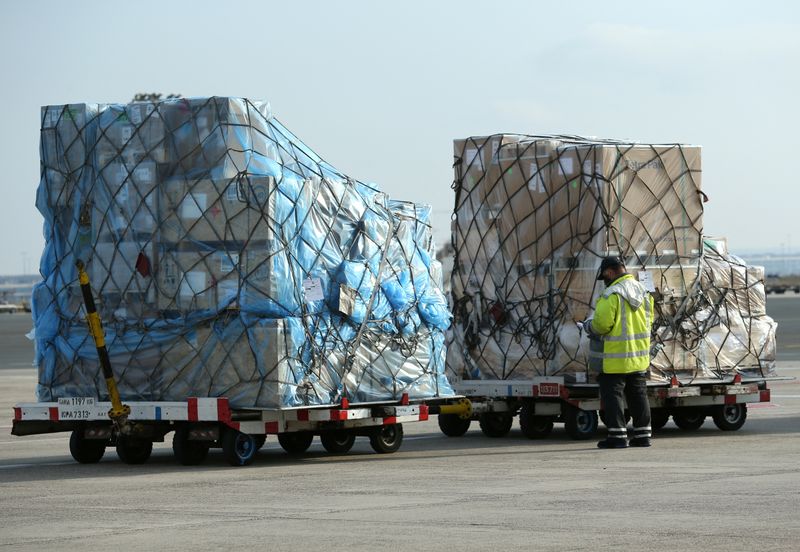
(17, 290)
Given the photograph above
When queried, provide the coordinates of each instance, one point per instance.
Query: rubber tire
(453, 425)
(86, 451)
(337, 442)
(688, 419)
(132, 450)
(658, 418)
(239, 449)
(296, 442)
(386, 439)
(186, 451)
(260, 440)
(580, 424)
(729, 417)
(495, 425)
(532, 426)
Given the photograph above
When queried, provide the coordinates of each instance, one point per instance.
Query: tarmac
(705, 490)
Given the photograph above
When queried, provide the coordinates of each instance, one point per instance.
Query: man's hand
(586, 326)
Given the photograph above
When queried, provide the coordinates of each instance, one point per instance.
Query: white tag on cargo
(536, 184)
(193, 205)
(51, 117)
(646, 279)
(135, 114)
(193, 283)
(143, 174)
(347, 299)
(470, 157)
(312, 288)
(126, 132)
(565, 166)
(228, 262)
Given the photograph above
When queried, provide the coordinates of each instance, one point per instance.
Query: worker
(619, 349)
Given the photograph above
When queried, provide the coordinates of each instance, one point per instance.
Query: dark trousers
(633, 389)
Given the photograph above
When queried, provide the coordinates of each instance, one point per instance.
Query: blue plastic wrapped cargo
(228, 260)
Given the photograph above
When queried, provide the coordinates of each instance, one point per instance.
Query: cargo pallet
(543, 401)
(199, 424)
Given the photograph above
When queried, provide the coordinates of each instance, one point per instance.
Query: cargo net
(228, 260)
(534, 216)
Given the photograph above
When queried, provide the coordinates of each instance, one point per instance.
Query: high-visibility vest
(625, 347)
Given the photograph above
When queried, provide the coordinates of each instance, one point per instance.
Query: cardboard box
(198, 279)
(132, 133)
(214, 137)
(653, 193)
(534, 216)
(121, 289)
(213, 211)
(66, 130)
(125, 201)
(58, 188)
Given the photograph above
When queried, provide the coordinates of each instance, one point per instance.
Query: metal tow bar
(462, 409)
(119, 412)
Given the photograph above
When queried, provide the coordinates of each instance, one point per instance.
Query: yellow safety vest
(621, 340)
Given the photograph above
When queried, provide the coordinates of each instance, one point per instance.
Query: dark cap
(612, 261)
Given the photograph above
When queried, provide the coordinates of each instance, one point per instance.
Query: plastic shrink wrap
(534, 216)
(228, 259)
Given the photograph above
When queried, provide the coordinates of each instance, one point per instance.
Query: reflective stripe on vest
(627, 352)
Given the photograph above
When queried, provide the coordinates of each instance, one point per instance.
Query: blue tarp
(222, 253)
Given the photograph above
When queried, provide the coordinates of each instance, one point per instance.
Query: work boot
(641, 442)
(612, 444)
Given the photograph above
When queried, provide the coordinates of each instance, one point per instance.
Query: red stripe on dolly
(53, 413)
(764, 396)
(17, 414)
(191, 410)
(271, 427)
(390, 420)
(302, 415)
(730, 399)
(223, 410)
(423, 412)
(338, 415)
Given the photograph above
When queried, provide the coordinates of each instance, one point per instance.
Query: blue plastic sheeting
(228, 259)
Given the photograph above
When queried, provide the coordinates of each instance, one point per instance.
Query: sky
(380, 90)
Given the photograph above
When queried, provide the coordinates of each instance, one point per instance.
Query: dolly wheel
(580, 424)
(495, 424)
(296, 442)
(337, 442)
(453, 425)
(86, 451)
(729, 417)
(386, 439)
(133, 450)
(688, 419)
(658, 418)
(238, 448)
(188, 452)
(532, 426)
(260, 440)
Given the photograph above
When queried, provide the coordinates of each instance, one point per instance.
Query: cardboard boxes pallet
(534, 215)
